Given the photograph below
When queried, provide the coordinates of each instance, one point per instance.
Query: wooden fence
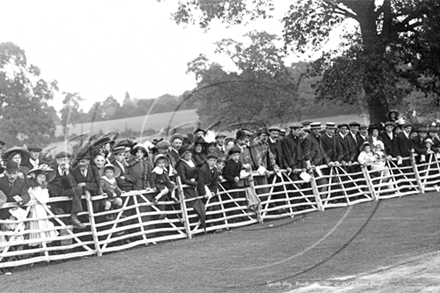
(141, 222)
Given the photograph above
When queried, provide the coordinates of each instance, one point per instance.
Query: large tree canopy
(392, 40)
(25, 116)
(262, 90)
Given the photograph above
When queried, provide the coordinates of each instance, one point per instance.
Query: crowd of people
(114, 167)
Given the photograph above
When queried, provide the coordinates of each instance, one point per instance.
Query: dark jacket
(231, 170)
(60, 182)
(19, 187)
(390, 144)
(125, 184)
(330, 146)
(92, 179)
(292, 152)
(141, 171)
(187, 173)
(343, 150)
(207, 177)
(313, 151)
(403, 145)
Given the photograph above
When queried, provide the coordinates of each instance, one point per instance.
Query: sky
(100, 48)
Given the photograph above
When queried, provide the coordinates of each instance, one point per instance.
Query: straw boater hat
(50, 174)
(330, 125)
(315, 125)
(110, 166)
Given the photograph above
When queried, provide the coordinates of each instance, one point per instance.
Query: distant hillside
(153, 121)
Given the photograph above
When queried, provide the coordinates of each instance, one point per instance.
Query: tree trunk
(377, 107)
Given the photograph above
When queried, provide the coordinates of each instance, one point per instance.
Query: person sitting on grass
(160, 181)
(109, 186)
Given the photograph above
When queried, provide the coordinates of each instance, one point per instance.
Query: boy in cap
(125, 180)
(109, 173)
(160, 182)
(207, 185)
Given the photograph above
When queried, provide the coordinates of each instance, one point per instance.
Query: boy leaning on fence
(109, 173)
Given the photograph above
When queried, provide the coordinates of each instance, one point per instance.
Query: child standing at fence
(39, 194)
(110, 187)
(160, 181)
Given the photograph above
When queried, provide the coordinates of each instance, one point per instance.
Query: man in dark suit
(353, 141)
(65, 185)
(293, 159)
(87, 177)
(404, 144)
(343, 150)
(313, 151)
(220, 148)
(329, 142)
(275, 145)
(362, 135)
(389, 140)
(176, 142)
(13, 187)
(208, 182)
(419, 146)
(34, 158)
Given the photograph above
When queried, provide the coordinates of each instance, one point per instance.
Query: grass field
(152, 121)
(383, 246)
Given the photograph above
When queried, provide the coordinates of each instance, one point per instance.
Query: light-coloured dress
(39, 197)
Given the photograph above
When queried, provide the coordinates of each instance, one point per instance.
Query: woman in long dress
(39, 194)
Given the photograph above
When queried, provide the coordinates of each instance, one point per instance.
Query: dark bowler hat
(212, 156)
(354, 123)
(11, 166)
(315, 125)
(200, 140)
(240, 134)
(377, 126)
(330, 125)
(363, 126)
(342, 125)
(433, 129)
(63, 154)
(422, 129)
(200, 129)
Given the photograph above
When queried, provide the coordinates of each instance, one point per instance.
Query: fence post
(369, 182)
(92, 223)
(416, 172)
(183, 207)
(316, 193)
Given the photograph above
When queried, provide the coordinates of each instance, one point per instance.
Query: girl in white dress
(39, 195)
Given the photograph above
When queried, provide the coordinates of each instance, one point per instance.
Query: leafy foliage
(25, 114)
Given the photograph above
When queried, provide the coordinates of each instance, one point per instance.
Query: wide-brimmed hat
(200, 140)
(9, 153)
(390, 123)
(377, 126)
(379, 142)
(110, 166)
(138, 147)
(126, 143)
(42, 169)
(363, 126)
